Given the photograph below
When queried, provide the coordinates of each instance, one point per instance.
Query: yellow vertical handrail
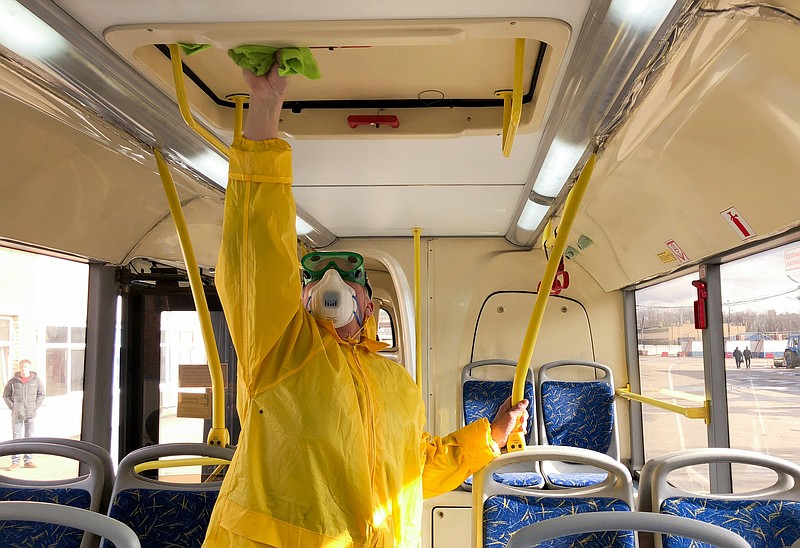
(183, 103)
(238, 120)
(526, 354)
(418, 302)
(218, 435)
(512, 100)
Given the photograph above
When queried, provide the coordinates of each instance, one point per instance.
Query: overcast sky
(757, 283)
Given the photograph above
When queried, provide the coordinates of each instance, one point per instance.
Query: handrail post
(512, 100)
(218, 435)
(239, 100)
(418, 303)
(526, 353)
(183, 103)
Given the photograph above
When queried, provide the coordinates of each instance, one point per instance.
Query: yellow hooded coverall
(332, 450)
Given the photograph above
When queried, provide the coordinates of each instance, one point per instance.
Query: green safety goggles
(350, 266)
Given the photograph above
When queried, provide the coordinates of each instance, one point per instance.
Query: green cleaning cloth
(191, 49)
(258, 60)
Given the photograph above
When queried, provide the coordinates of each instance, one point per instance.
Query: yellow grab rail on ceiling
(512, 100)
(218, 435)
(516, 441)
(417, 303)
(688, 412)
(183, 103)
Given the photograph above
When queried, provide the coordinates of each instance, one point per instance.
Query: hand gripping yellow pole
(417, 303)
(516, 441)
(219, 434)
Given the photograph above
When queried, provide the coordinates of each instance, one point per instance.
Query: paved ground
(762, 403)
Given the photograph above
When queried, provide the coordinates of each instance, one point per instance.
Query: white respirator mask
(332, 299)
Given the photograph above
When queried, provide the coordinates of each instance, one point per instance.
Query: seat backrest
(84, 491)
(766, 517)
(590, 522)
(481, 398)
(578, 413)
(500, 510)
(99, 452)
(67, 517)
(164, 513)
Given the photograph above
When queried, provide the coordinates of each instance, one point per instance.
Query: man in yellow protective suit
(333, 450)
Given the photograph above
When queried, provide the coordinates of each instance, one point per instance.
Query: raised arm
(257, 274)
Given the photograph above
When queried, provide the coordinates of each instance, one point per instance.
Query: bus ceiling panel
(204, 222)
(455, 210)
(468, 161)
(99, 16)
(418, 70)
(718, 130)
(77, 191)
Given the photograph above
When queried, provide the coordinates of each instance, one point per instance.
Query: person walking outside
(747, 355)
(23, 394)
(737, 356)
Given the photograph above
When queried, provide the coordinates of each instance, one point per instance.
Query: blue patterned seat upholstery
(481, 400)
(506, 514)
(504, 509)
(33, 534)
(762, 523)
(160, 517)
(578, 414)
(164, 513)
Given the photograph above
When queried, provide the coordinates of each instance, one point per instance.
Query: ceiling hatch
(438, 77)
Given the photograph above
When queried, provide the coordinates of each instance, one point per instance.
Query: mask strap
(356, 313)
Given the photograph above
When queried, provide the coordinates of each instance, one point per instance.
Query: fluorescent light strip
(27, 35)
(557, 167)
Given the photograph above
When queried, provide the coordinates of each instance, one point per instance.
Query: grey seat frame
(92, 481)
(44, 512)
(591, 522)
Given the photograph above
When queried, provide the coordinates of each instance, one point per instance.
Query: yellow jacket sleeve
(452, 459)
(258, 273)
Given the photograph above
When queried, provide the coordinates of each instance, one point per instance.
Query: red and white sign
(677, 251)
(791, 258)
(738, 224)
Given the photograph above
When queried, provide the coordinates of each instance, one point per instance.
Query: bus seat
(577, 413)
(100, 452)
(766, 517)
(163, 513)
(84, 492)
(70, 517)
(501, 510)
(564, 526)
(481, 398)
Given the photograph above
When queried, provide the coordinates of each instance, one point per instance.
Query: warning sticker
(737, 223)
(666, 257)
(677, 251)
(791, 258)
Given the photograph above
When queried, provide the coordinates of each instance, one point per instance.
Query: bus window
(181, 344)
(761, 312)
(43, 302)
(386, 328)
(671, 368)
